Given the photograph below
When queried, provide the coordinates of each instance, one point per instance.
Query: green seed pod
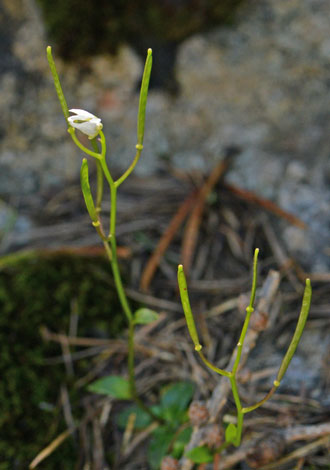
(143, 100)
(187, 309)
(57, 83)
(86, 190)
(297, 334)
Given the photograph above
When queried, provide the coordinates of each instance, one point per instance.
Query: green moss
(85, 28)
(34, 292)
(78, 30)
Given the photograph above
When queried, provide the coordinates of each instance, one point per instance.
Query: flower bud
(85, 122)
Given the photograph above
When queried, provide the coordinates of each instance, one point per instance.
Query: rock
(262, 85)
(80, 30)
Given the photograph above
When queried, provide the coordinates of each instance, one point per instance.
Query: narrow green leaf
(306, 303)
(57, 83)
(143, 98)
(113, 385)
(200, 454)
(187, 309)
(231, 432)
(86, 190)
(143, 316)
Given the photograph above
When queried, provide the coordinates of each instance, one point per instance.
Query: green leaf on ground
(231, 432)
(180, 442)
(175, 401)
(113, 385)
(159, 445)
(143, 316)
(142, 419)
(200, 455)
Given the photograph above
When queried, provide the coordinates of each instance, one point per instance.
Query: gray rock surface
(263, 86)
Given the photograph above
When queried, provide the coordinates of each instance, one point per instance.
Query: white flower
(85, 122)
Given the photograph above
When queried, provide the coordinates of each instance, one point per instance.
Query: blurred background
(249, 79)
(254, 75)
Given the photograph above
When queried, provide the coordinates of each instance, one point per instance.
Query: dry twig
(165, 240)
(191, 231)
(266, 204)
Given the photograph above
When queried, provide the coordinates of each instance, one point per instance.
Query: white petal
(71, 121)
(82, 114)
(90, 128)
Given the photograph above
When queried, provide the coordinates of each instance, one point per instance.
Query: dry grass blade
(50, 448)
(47, 335)
(301, 433)
(137, 441)
(285, 263)
(155, 302)
(321, 432)
(191, 231)
(300, 464)
(319, 277)
(165, 240)
(299, 453)
(105, 345)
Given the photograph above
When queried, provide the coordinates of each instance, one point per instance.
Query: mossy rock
(81, 29)
(38, 291)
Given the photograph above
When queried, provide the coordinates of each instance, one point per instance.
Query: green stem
(110, 246)
(249, 311)
(71, 131)
(110, 243)
(212, 367)
(131, 167)
(247, 409)
(106, 172)
(99, 179)
(111, 250)
(233, 373)
(238, 404)
(99, 186)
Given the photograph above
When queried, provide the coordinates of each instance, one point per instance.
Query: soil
(70, 277)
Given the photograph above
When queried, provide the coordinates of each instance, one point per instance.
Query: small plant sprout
(233, 433)
(91, 126)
